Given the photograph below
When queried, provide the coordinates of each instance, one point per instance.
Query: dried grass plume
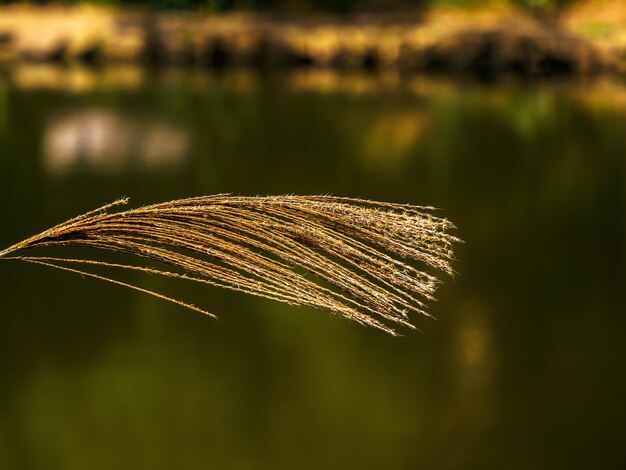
(371, 262)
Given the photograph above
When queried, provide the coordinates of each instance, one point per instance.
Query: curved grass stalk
(350, 257)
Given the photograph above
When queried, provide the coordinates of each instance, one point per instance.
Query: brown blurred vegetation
(584, 38)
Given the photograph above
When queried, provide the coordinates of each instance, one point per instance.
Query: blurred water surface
(525, 366)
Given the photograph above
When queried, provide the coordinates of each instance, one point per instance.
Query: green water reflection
(524, 368)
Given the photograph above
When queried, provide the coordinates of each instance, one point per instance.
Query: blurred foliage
(322, 5)
(542, 4)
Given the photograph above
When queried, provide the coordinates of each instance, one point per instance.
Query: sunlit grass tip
(371, 262)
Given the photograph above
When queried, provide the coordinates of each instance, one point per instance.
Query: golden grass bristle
(347, 256)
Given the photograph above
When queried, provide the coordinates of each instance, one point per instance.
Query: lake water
(525, 366)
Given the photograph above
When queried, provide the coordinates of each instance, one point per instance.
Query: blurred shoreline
(584, 40)
(600, 92)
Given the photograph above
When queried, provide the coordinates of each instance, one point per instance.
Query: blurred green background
(523, 368)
